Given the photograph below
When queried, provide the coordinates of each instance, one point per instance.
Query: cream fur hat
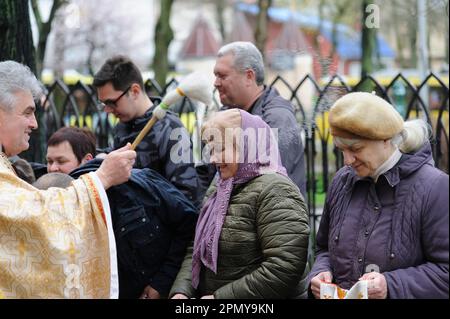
(364, 115)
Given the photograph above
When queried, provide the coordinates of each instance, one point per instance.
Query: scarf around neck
(387, 165)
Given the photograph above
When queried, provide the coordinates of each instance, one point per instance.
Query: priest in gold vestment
(57, 243)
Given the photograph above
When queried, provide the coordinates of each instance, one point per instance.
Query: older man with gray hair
(239, 72)
(56, 243)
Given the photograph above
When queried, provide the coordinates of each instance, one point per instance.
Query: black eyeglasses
(112, 103)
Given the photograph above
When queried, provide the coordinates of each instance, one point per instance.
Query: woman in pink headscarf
(251, 239)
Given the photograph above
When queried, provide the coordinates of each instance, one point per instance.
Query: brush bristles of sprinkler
(194, 86)
(198, 87)
(172, 97)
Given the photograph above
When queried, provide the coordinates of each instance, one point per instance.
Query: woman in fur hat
(386, 215)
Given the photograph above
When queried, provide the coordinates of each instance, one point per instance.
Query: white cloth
(114, 288)
(332, 291)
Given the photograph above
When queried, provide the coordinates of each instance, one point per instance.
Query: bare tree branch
(44, 29)
(261, 25)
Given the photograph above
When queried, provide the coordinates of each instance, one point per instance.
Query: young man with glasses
(120, 90)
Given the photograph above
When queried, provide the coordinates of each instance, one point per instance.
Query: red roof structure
(200, 42)
(292, 39)
(241, 31)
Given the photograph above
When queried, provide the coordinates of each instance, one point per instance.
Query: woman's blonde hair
(414, 135)
(220, 121)
(222, 131)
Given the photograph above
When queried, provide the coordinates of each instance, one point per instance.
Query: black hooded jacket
(153, 224)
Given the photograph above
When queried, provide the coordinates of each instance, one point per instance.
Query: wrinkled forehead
(215, 136)
(223, 125)
(211, 134)
(224, 63)
(21, 100)
(342, 142)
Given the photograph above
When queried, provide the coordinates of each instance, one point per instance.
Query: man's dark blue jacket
(153, 224)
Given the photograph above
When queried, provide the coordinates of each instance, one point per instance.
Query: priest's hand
(116, 167)
(150, 293)
(179, 296)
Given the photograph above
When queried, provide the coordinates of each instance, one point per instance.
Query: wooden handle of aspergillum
(144, 132)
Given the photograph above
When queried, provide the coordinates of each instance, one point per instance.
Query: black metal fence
(75, 105)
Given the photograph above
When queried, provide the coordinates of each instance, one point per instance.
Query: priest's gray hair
(14, 78)
(246, 56)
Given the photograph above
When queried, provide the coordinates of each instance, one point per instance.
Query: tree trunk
(320, 58)
(326, 59)
(399, 38)
(16, 40)
(90, 59)
(44, 29)
(446, 31)
(412, 37)
(59, 48)
(261, 25)
(220, 9)
(446, 39)
(16, 43)
(367, 46)
(163, 37)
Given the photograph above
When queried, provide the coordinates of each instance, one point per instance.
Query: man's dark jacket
(167, 140)
(153, 224)
(278, 113)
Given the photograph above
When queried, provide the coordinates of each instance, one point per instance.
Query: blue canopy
(348, 40)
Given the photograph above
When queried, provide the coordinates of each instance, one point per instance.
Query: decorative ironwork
(76, 105)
